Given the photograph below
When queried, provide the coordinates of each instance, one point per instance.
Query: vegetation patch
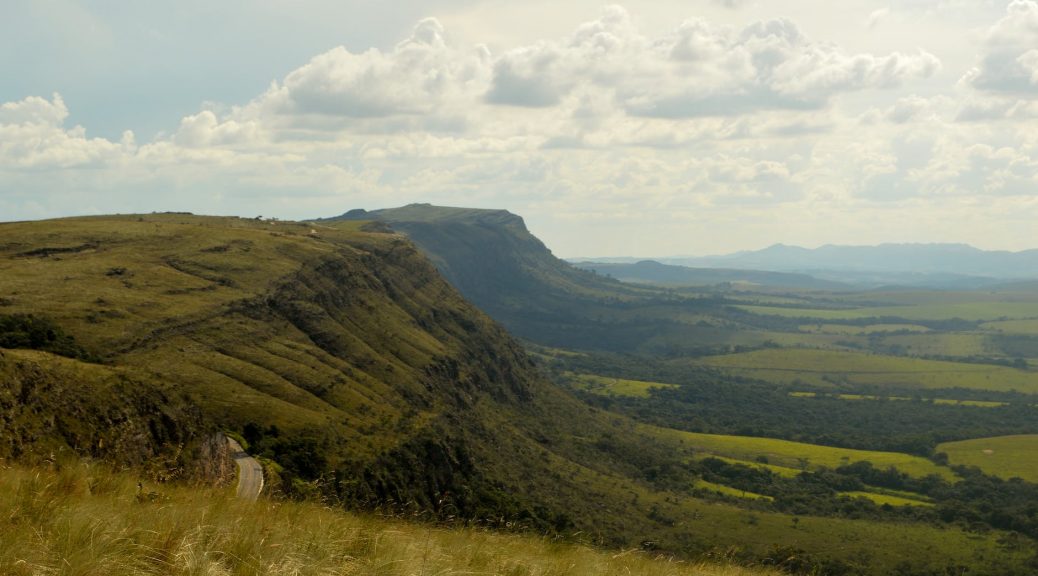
(886, 499)
(781, 471)
(614, 386)
(874, 397)
(33, 332)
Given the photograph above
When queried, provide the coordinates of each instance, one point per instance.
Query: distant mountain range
(949, 266)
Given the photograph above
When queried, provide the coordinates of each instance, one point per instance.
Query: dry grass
(85, 520)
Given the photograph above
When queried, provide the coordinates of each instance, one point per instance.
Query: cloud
(526, 77)
(33, 136)
(418, 77)
(34, 111)
(205, 130)
(1009, 60)
(590, 87)
(697, 70)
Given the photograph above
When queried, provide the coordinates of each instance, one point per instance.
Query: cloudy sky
(649, 129)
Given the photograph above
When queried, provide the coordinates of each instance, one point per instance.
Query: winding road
(250, 473)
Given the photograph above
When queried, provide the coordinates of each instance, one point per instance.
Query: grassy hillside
(87, 520)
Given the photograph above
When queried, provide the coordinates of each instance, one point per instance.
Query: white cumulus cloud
(33, 136)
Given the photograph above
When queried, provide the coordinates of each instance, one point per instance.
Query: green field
(848, 396)
(970, 311)
(829, 368)
(1004, 456)
(614, 386)
(797, 455)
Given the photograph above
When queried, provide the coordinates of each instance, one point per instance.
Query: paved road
(250, 473)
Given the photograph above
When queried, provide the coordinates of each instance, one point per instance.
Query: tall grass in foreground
(85, 520)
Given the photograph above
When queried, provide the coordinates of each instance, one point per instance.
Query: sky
(653, 128)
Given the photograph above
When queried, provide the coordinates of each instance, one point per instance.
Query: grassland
(797, 455)
(829, 368)
(882, 499)
(1004, 456)
(614, 386)
(88, 521)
